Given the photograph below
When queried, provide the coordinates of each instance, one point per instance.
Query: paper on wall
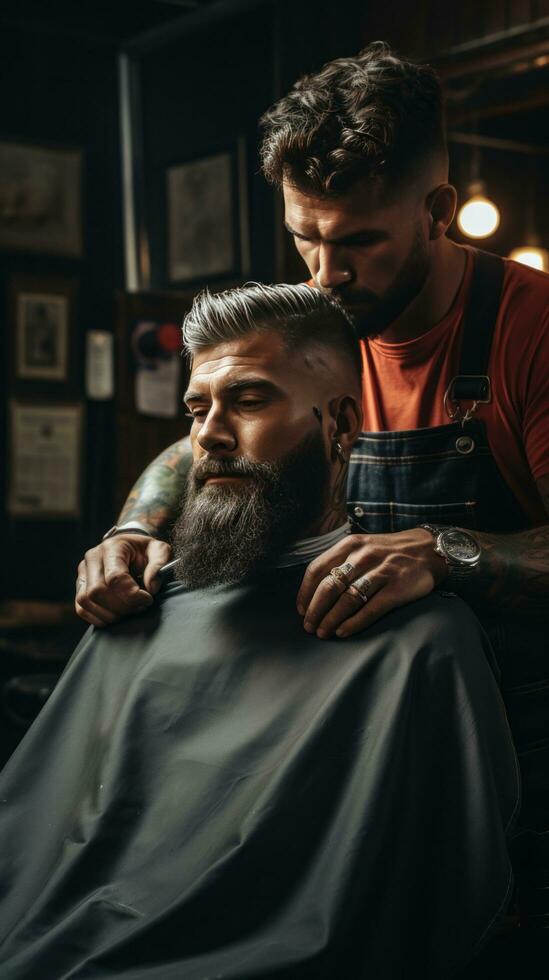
(99, 365)
(45, 458)
(157, 388)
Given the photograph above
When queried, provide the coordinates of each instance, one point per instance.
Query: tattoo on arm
(154, 499)
(513, 573)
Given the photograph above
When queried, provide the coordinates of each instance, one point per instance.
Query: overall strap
(472, 383)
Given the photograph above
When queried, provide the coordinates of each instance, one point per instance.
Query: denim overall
(447, 475)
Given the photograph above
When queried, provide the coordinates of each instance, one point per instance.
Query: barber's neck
(436, 298)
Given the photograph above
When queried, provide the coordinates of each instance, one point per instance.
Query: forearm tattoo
(154, 499)
(513, 572)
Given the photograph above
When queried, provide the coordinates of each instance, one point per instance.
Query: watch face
(460, 546)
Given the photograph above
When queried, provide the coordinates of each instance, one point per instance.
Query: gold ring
(341, 573)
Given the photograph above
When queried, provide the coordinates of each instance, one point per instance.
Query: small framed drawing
(43, 312)
(207, 220)
(40, 199)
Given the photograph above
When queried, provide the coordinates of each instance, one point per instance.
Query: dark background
(204, 73)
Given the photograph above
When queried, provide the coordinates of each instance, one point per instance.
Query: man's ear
(345, 423)
(441, 205)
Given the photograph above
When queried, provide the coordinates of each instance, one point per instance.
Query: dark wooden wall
(59, 89)
(200, 96)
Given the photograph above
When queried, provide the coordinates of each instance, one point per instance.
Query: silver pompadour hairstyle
(300, 313)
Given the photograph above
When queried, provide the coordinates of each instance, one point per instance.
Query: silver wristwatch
(460, 549)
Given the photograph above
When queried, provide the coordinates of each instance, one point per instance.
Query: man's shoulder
(525, 292)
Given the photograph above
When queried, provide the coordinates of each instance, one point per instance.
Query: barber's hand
(390, 570)
(106, 587)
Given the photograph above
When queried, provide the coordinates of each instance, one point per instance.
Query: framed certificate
(45, 460)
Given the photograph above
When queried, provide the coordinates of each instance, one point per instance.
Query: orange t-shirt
(404, 383)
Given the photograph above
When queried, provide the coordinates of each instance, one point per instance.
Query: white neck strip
(304, 551)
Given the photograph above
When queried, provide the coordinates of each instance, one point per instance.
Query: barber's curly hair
(368, 116)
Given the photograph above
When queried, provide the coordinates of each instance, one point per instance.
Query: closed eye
(250, 404)
(360, 239)
(199, 413)
(244, 404)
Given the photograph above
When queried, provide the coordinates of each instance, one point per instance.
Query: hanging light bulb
(478, 217)
(532, 255)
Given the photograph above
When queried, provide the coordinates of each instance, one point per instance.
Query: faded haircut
(301, 314)
(374, 115)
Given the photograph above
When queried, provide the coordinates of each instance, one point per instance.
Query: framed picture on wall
(207, 222)
(40, 199)
(46, 450)
(43, 315)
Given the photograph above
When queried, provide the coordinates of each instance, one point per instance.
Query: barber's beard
(226, 532)
(403, 290)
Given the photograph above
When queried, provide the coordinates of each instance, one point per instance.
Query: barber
(450, 480)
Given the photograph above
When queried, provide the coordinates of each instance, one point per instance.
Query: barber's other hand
(106, 586)
(400, 568)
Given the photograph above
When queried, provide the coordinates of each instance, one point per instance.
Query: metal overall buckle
(452, 403)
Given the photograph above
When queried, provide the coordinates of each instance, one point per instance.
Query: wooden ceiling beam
(492, 110)
(496, 53)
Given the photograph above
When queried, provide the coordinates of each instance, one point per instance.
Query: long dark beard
(226, 533)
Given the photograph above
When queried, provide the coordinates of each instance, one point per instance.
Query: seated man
(211, 791)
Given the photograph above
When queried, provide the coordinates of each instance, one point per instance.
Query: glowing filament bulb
(536, 258)
(478, 218)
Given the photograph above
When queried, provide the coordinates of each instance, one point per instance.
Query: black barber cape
(212, 793)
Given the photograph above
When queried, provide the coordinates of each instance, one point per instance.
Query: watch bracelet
(128, 530)
(456, 572)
